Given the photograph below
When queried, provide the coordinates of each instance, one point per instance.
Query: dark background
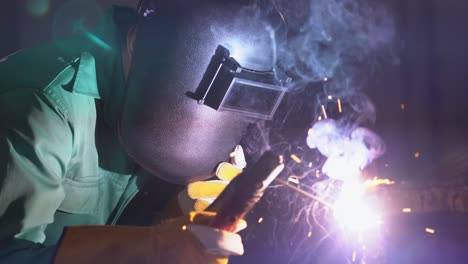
(431, 81)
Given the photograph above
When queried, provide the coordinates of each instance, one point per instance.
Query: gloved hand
(186, 239)
(199, 195)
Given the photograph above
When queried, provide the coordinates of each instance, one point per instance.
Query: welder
(161, 92)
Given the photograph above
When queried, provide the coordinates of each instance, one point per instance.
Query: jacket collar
(100, 71)
(85, 80)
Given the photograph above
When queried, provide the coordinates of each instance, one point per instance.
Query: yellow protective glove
(186, 239)
(199, 195)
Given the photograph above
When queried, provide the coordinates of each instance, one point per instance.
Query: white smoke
(328, 38)
(347, 152)
(342, 41)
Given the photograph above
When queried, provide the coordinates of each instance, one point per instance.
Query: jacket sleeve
(23, 251)
(35, 147)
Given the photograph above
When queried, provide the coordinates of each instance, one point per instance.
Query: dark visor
(227, 86)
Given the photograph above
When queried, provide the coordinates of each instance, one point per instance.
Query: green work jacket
(61, 163)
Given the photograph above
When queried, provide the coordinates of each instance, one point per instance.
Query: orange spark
(377, 181)
(429, 230)
(293, 179)
(406, 210)
(324, 112)
(296, 158)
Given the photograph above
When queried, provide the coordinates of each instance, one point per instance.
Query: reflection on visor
(252, 98)
(227, 86)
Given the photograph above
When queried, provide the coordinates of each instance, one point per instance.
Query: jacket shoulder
(35, 67)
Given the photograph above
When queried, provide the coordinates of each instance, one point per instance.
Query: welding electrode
(241, 195)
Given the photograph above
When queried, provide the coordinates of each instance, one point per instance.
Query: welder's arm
(35, 146)
(397, 199)
(186, 239)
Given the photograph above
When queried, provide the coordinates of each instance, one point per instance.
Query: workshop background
(421, 106)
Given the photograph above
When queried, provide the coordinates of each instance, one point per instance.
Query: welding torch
(242, 193)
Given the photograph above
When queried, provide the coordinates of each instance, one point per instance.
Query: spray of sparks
(334, 196)
(346, 194)
(348, 152)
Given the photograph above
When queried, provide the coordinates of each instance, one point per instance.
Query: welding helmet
(201, 72)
